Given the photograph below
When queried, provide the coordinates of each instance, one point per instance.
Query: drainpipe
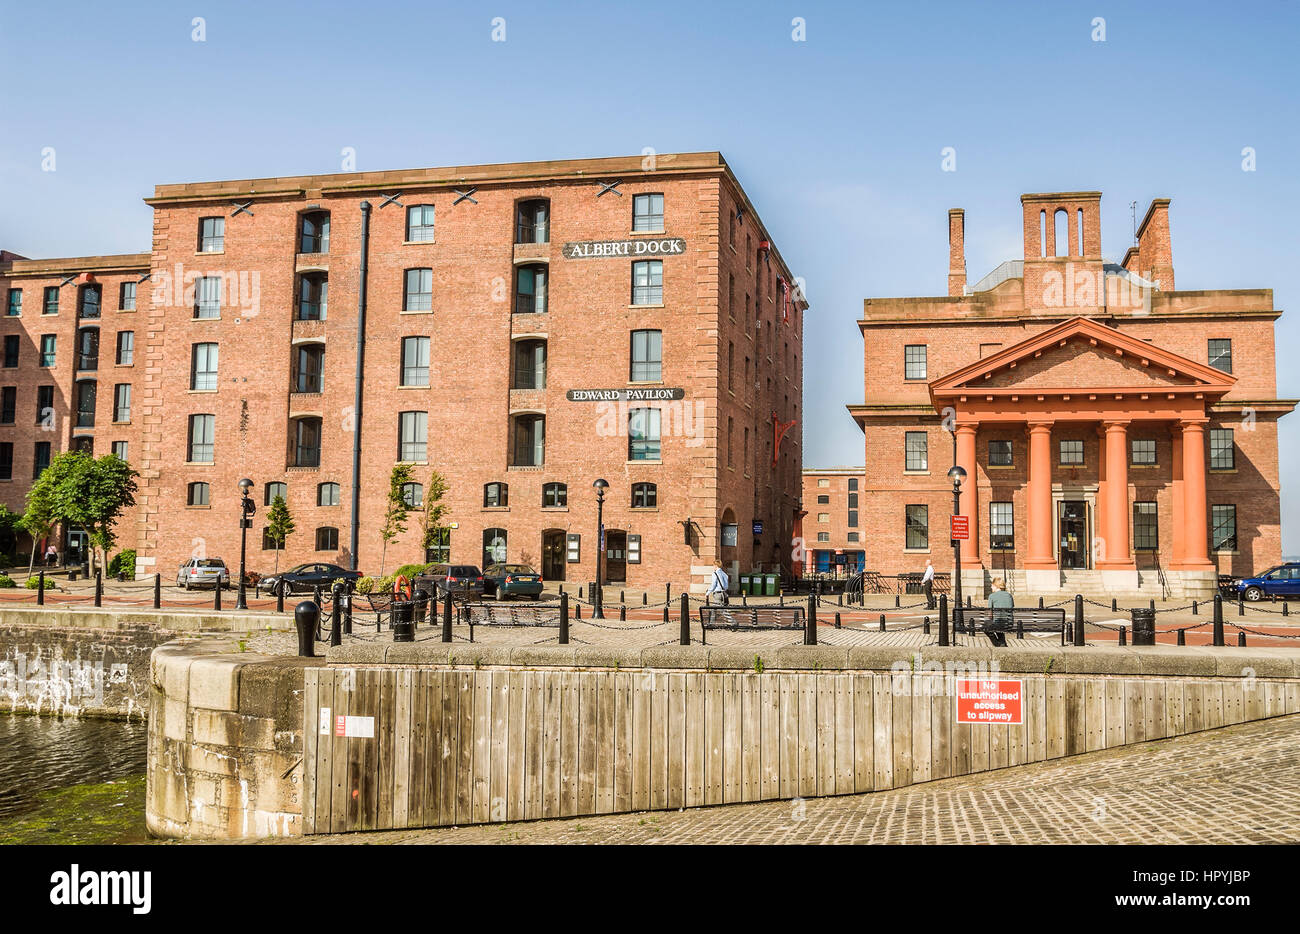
(361, 368)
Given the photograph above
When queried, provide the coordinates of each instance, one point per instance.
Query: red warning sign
(340, 725)
(961, 527)
(987, 701)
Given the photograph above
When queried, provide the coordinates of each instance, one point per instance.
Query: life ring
(402, 587)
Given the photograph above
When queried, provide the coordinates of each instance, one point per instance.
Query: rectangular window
(918, 527)
(643, 435)
(413, 436)
(1223, 528)
(202, 428)
(1144, 451)
(1220, 353)
(916, 451)
(530, 365)
(8, 405)
(823, 500)
(418, 295)
(648, 282)
(41, 458)
(87, 393)
(1146, 535)
(119, 449)
(310, 373)
(647, 356)
(1002, 527)
(307, 442)
(853, 519)
(530, 290)
(415, 361)
(6, 460)
(823, 483)
(122, 402)
(823, 518)
(419, 223)
(532, 221)
(45, 405)
(1222, 449)
(530, 441)
(49, 343)
(126, 297)
(1071, 453)
(1000, 454)
(125, 348)
(15, 303)
(207, 297)
(203, 367)
(51, 306)
(853, 483)
(11, 350)
(914, 361)
(212, 235)
(313, 297)
(647, 213)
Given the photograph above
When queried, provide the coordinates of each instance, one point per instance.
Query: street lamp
(246, 510)
(957, 474)
(597, 598)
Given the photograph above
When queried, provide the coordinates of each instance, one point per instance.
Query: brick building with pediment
(1119, 436)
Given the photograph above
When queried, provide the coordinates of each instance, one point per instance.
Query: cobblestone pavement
(1233, 785)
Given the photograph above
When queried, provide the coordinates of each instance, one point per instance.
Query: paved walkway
(1233, 785)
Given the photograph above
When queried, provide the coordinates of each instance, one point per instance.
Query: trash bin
(744, 583)
(403, 621)
(756, 585)
(1144, 626)
(770, 585)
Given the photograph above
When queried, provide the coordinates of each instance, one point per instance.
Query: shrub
(365, 585)
(123, 562)
(34, 582)
(410, 570)
(7, 581)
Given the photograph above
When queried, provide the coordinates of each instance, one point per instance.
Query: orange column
(1115, 510)
(1176, 499)
(970, 550)
(1039, 556)
(1196, 548)
(1099, 507)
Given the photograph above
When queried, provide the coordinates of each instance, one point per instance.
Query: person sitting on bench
(999, 622)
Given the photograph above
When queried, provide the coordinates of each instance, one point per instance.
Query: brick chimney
(1155, 252)
(956, 252)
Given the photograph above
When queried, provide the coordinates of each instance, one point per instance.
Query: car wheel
(501, 595)
(1253, 594)
(183, 584)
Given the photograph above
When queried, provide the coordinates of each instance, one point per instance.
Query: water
(71, 780)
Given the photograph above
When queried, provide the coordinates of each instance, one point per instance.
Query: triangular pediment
(1082, 354)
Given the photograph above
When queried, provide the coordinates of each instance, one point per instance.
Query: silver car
(203, 572)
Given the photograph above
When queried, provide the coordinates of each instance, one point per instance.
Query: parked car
(510, 580)
(203, 572)
(305, 578)
(462, 580)
(1282, 581)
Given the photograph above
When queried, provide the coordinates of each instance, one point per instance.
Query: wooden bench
(736, 618)
(996, 622)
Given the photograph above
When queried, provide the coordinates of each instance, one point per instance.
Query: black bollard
(421, 606)
(40, 590)
(1153, 603)
(577, 610)
(403, 621)
(1040, 603)
(1195, 608)
(744, 598)
(1114, 605)
(1218, 619)
(622, 614)
(622, 596)
(1069, 632)
(837, 620)
(1123, 636)
(279, 597)
(99, 588)
(216, 597)
(446, 614)
(1078, 619)
(336, 631)
(668, 592)
(943, 619)
(645, 598)
(1241, 639)
(898, 601)
(685, 638)
(1020, 625)
(347, 613)
(579, 593)
(882, 622)
(666, 619)
(564, 618)
(157, 591)
(1285, 604)
(1241, 605)
(810, 627)
(1182, 637)
(839, 598)
(306, 616)
(925, 626)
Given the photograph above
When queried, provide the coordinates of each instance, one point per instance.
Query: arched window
(494, 546)
(645, 496)
(1061, 226)
(273, 489)
(327, 494)
(314, 232)
(327, 538)
(88, 349)
(87, 393)
(413, 495)
(533, 221)
(496, 494)
(1042, 233)
(1079, 217)
(198, 495)
(555, 495)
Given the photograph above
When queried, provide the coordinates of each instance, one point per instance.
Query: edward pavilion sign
(625, 395)
(593, 249)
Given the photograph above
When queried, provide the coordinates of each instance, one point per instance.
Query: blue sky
(837, 139)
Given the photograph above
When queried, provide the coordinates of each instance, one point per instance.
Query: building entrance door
(1075, 552)
(553, 557)
(615, 556)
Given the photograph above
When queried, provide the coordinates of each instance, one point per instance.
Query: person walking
(51, 555)
(1000, 602)
(927, 581)
(719, 584)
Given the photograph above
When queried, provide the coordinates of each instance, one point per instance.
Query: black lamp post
(957, 474)
(597, 598)
(246, 510)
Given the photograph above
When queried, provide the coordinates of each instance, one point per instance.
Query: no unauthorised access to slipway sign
(988, 701)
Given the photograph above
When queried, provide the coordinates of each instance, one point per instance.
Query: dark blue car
(1282, 581)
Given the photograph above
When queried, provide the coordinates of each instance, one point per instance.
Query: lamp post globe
(245, 484)
(957, 475)
(597, 597)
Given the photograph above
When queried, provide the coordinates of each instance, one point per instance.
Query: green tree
(279, 526)
(10, 524)
(38, 519)
(434, 510)
(88, 493)
(396, 512)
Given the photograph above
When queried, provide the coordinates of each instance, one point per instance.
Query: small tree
(396, 512)
(110, 489)
(434, 510)
(38, 520)
(279, 525)
(80, 490)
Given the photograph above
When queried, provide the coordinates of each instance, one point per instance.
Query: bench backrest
(512, 614)
(752, 617)
(1029, 615)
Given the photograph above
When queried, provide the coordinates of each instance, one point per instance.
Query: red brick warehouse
(1118, 436)
(529, 328)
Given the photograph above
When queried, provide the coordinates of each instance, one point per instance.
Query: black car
(462, 580)
(305, 578)
(509, 580)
